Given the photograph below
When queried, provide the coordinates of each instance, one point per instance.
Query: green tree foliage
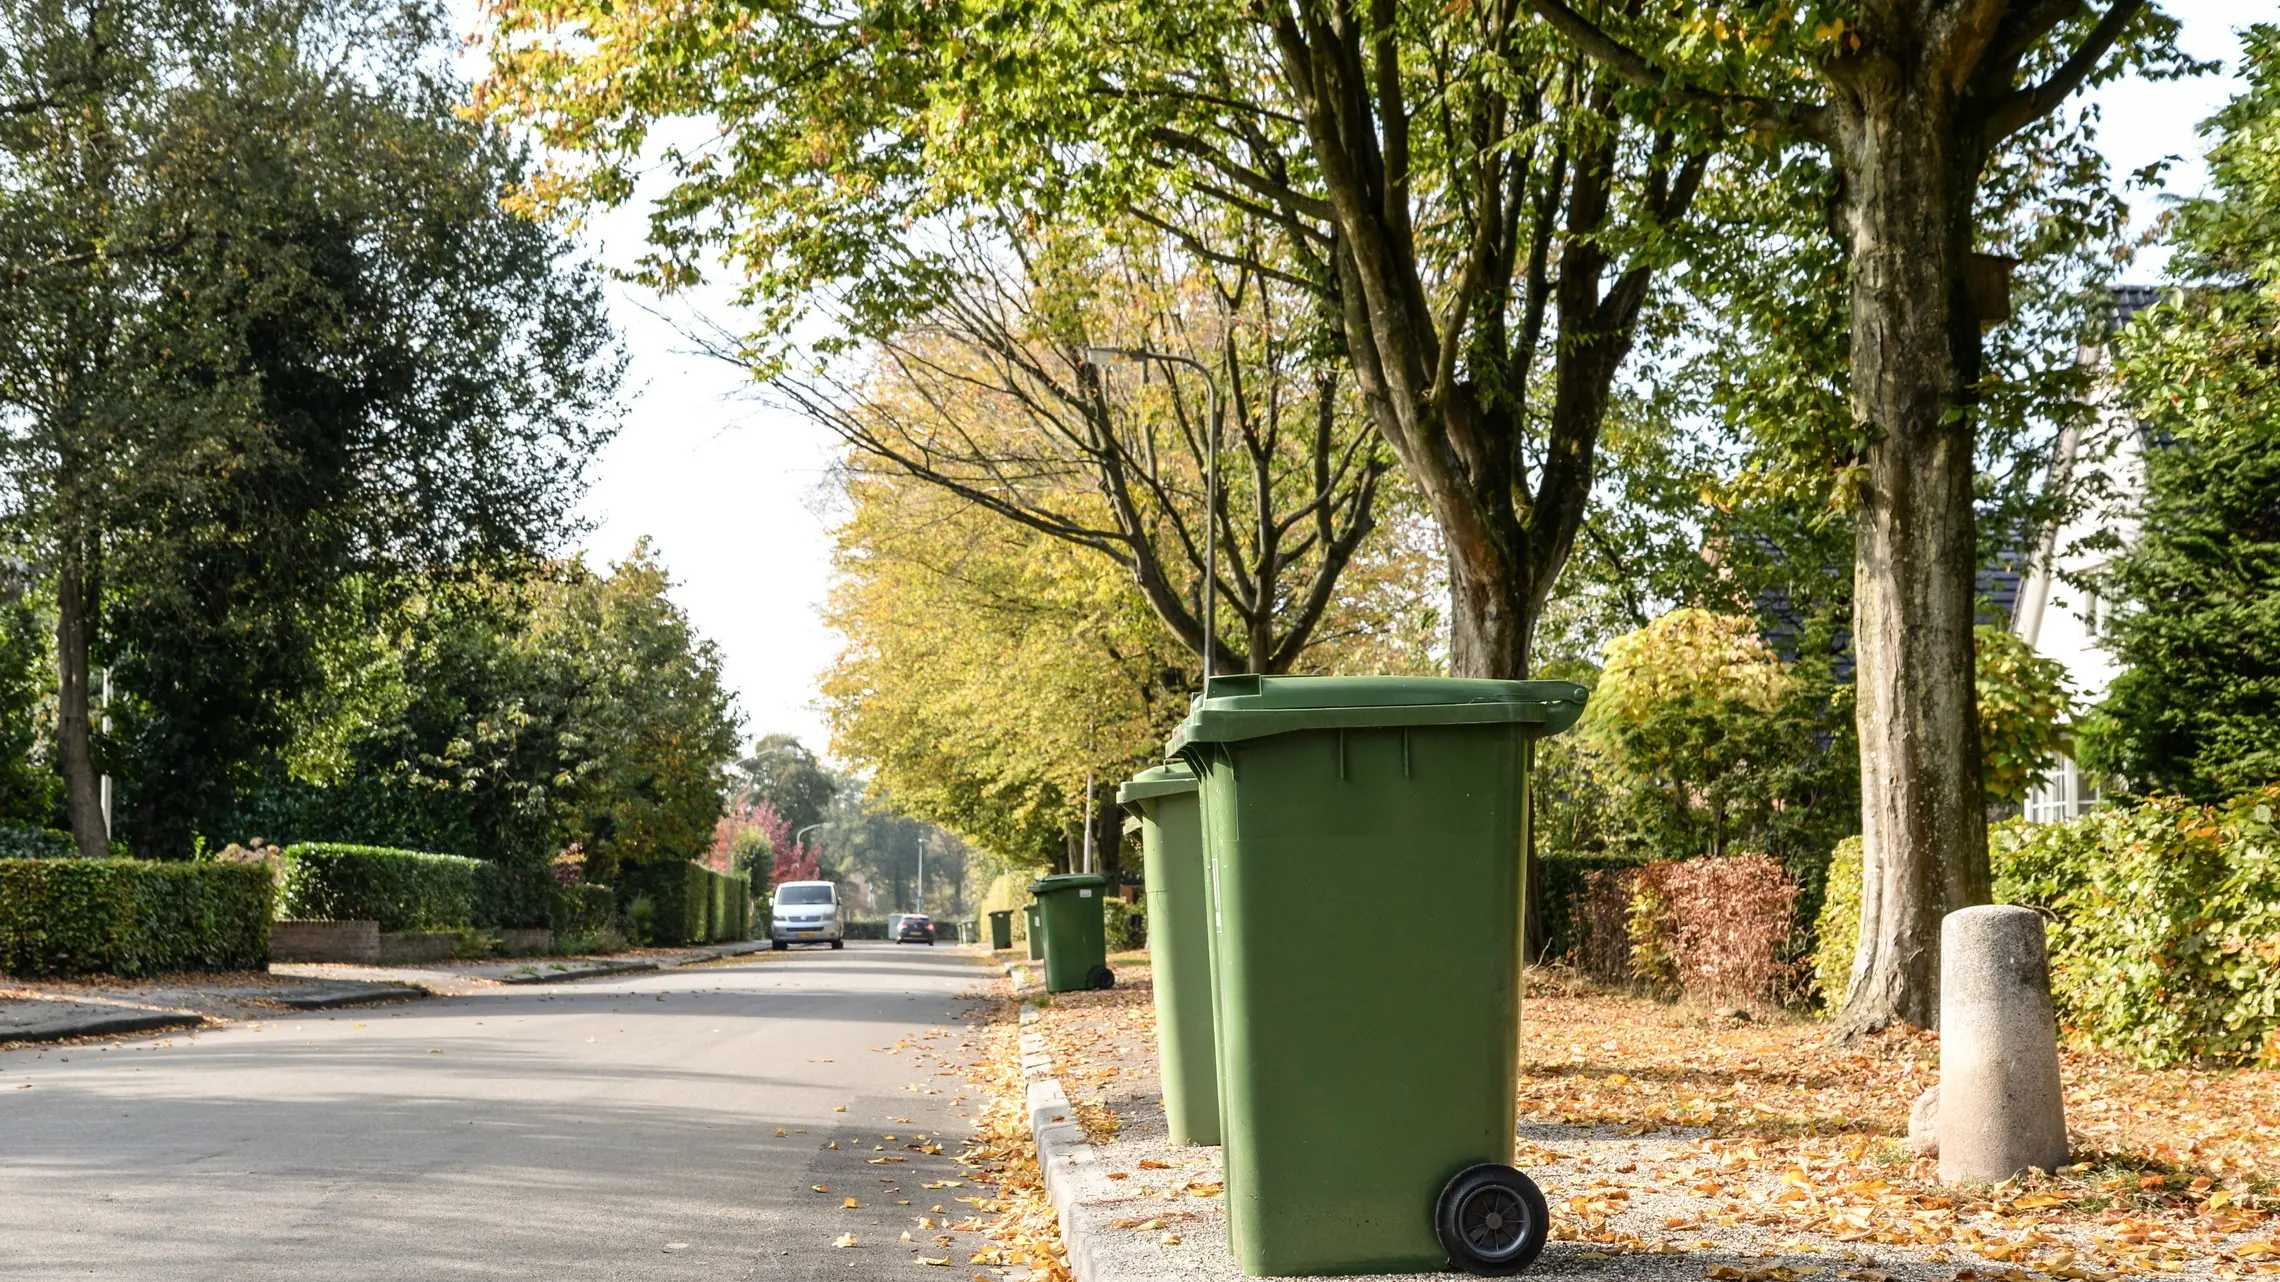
(1704, 742)
(989, 671)
(2025, 713)
(1482, 235)
(510, 718)
(2196, 596)
(270, 333)
(783, 773)
(30, 792)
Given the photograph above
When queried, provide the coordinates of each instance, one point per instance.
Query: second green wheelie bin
(1179, 948)
(1031, 913)
(1076, 936)
(1001, 929)
(1367, 1094)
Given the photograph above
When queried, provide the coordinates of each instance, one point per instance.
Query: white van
(806, 912)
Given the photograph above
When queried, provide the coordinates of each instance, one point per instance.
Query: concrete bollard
(2001, 1109)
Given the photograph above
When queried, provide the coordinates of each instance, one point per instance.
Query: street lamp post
(1116, 355)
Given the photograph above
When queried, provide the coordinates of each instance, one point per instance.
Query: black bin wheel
(1101, 977)
(1492, 1220)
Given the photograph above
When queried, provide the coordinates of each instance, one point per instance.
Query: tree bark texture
(75, 611)
(1911, 169)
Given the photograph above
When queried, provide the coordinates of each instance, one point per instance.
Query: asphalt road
(613, 1128)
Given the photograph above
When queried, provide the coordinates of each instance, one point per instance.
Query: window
(807, 893)
(2062, 794)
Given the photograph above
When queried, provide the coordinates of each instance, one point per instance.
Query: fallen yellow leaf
(844, 1240)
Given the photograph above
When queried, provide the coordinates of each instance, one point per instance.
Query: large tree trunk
(75, 613)
(1488, 622)
(1910, 185)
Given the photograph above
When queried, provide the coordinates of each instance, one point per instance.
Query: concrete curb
(105, 1025)
(1075, 1183)
(355, 997)
(580, 972)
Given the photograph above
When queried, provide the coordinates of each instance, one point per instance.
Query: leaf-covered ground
(1770, 1154)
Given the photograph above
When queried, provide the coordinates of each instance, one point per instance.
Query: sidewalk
(456, 978)
(52, 1010)
(1644, 1198)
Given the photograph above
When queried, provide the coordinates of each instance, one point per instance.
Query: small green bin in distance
(1076, 937)
(1001, 929)
(1357, 1083)
(1030, 912)
(1179, 948)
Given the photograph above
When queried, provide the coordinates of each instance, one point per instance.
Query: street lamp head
(1106, 355)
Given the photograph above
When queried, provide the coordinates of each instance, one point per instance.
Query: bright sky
(733, 495)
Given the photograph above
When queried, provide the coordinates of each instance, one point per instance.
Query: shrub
(1602, 923)
(2164, 924)
(581, 911)
(1126, 925)
(1564, 902)
(1718, 928)
(1836, 934)
(400, 889)
(131, 917)
(1647, 928)
(1731, 927)
(22, 841)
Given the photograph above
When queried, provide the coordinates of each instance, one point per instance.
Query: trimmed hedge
(132, 917)
(514, 896)
(400, 889)
(690, 903)
(581, 910)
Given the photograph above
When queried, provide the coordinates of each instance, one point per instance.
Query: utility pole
(1113, 355)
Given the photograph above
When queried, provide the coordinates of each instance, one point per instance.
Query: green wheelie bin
(1179, 948)
(1032, 913)
(1367, 1094)
(1076, 937)
(1001, 929)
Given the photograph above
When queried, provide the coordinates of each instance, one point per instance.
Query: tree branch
(1806, 121)
(2024, 106)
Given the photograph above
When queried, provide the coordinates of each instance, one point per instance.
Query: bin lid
(1001, 912)
(1157, 781)
(1252, 705)
(1066, 881)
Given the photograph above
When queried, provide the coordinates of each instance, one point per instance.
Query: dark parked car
(914, 928)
